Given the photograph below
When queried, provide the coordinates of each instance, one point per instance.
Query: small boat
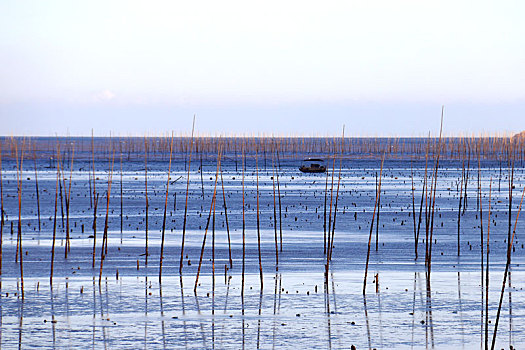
(313, 165)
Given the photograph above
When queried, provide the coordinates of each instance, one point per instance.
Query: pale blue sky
(281, 67)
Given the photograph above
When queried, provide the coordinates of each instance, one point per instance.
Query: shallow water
(297, 305)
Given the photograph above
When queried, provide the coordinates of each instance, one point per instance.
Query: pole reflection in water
(429, 325)
(203, 334)
(327, 312)
(379, 312)
(213, 274)
(274, 309)
(227, 281)
(259, 318)
(227, 294)
(333, 292)
(462, 330)
(107, 309)
(183, 312)
(67, 313)
(369, 338)
(335, 305)
(213, 313)
(279, 299)
(510, 307)
(242, 318)
(163, 328)
(413, 311)
(21, 322)
(146, 312)
(53, 321)
(1, 310)
(102, 316)
(482, 310)
(94, 326)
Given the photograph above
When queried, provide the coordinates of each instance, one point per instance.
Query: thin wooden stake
(413, 209)
(372, 225)
(275, 217)
(487, 274)
(103, 250)
(433, 202)
(279, 197)
(328, 242)
(19, 181)
(212, 206)
(1, 211)
(55, 216)
(121, 196)
(186, 204)
(36, 189)
(165, 210)
(226, 218)
(146, 252)
(509, 250)
(459, 206)
(95, 200)
(330, 248)
(243, 226)
(68, 199)
(325, 245)
(258, 221)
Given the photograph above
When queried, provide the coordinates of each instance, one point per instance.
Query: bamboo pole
(68, 199)
(459, 205)
(372, 225)
(186, 204)
(510, 242)
(433, 202)
(202, 170)
(226, 218)
(212, 206)
(19, 182)
(90, 191)
(377, 217)
(61, 189)
(325, 245)
(275, 216)
(258, 221)
(146, 248)
(413, 209)
(36, 189)
(466, 179)
(427, 209)
(165, 210)
(1, 211)
(55, 216)
(487, 274)
(328, 243)
(243, 227)
(480, 207)
(103, 250)
(213, 257)
(279, 197)
(95, 200)
(121, 196)
(423, 195)
(330, 248)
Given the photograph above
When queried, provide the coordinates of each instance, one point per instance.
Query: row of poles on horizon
(489, 147)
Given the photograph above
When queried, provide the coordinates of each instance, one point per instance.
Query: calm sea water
(127, 306)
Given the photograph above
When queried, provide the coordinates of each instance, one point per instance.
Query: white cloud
(105, 95)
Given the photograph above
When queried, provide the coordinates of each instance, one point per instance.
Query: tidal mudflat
(256, 254)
